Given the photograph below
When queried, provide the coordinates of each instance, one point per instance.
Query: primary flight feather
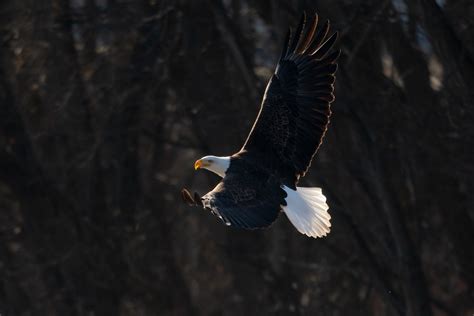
(260, 180)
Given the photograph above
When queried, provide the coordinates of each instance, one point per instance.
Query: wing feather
(305, 41)
(295, 110)
(322, 50)
(246, 200)
(296, 38)
(319, 38)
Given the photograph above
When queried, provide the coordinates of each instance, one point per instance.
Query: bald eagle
(260, 180)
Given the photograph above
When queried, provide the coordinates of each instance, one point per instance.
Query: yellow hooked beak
(201, 164)
(197, 164)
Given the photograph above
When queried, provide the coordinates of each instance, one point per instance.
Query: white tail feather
(307, 210)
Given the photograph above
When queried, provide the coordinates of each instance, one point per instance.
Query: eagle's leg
(189, 199)
(197, 199)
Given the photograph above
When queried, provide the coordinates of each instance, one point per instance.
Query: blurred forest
(106, 104)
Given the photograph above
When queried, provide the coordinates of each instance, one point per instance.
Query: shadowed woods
(105, 106)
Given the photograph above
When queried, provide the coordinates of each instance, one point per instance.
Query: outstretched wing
(295, 110)
(245, 200)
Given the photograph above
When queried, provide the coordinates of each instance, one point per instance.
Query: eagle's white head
(218, 165)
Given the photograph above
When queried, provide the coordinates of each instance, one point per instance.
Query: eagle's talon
(197, 199)
(187, 197)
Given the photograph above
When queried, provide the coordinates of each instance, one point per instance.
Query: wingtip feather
(324, 48)
(319, 38)
(307, 36)
(297, 34)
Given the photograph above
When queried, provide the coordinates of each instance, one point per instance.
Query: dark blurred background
(106, 104)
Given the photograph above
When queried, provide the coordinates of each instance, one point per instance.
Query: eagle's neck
(218, 165)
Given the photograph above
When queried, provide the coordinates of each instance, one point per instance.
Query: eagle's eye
(210, 161)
